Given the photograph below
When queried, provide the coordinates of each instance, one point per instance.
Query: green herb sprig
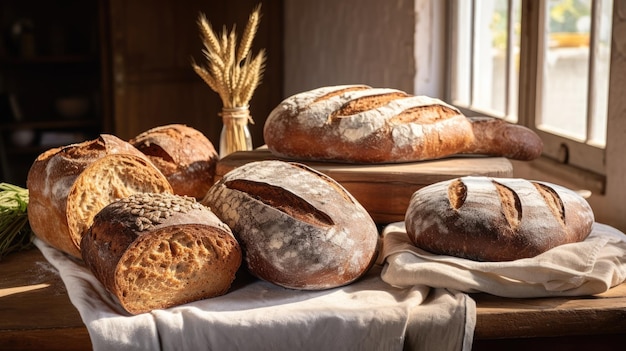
(15, 233)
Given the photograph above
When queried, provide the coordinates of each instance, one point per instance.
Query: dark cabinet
(72, 69)
(52, 78)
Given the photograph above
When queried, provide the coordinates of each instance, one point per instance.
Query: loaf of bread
(360, 124)
(496, 219)
(183, 154)
(298, 228)
(156, 251)
(67, 186)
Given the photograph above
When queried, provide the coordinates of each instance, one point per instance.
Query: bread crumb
(457, 192)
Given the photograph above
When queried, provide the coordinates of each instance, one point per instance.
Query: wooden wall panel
(152, 44)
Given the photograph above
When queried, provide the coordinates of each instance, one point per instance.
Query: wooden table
(587, 323)
(35, 311)
(36, 314)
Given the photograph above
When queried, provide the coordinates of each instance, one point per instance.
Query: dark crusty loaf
(183, 154)
(360, 124)
(67, 186)
(156, 251)
(298, 228)
(496, 219)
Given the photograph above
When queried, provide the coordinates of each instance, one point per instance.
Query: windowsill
(549, 170)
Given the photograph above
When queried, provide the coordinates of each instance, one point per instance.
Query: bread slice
(183, 154)
(69, 185)
(156, 251)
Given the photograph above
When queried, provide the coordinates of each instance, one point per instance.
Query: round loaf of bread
(156, 251)
(67, 186)
(496, 219)
(360, 124)
(183, 154)
(298, 228)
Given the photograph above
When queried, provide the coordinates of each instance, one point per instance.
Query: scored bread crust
(156, 251)
(496, 219)
(69, 185)
(298, 228)
(361, 124)
(183, 154)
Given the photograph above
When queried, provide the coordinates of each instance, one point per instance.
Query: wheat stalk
(209, 39)
(229, 71)
(248, 34)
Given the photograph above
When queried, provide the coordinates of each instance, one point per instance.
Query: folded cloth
(585, 268)
(256, 315)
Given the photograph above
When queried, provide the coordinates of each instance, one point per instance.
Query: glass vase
(235, 135)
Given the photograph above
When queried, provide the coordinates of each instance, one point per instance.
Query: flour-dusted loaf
(156, 251)
(360, 124)
(67, 186)
(496, 219)
(298, 228)
(183, 154)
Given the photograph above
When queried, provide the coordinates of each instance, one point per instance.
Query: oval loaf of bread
(156, 251)
(496, 219)
(360, 124)
(67, 186)
(298, 228)
(183, 154)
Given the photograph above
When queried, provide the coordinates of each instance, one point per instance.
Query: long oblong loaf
(67, 186)
(361, 124)
(156, 251)
(496, 219)
(298, 228)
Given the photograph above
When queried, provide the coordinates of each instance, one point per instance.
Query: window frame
(563, 150)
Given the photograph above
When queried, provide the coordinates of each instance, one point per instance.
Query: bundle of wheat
(233, 74)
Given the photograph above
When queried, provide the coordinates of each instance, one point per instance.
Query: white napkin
(589, 267)
(366, 315)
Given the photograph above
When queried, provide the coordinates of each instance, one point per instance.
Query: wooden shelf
(56, 50)
(49, 60)
(50, 124)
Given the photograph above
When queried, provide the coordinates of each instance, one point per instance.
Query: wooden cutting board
(385, 189)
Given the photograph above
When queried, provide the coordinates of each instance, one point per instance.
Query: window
(541, 63)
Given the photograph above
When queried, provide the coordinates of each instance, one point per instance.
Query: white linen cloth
(585, 268)
(366, 315)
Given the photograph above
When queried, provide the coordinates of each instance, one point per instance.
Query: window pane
(461, 72)
(514, 60)
(602, 61)
(485, 66)
(490, 56)
(564, 83)
(488, 59)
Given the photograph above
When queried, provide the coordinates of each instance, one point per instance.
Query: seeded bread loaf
(298, 228)
(360, 124)
(67, 186)
(496, 219)
(156, 251)
(183, 154)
